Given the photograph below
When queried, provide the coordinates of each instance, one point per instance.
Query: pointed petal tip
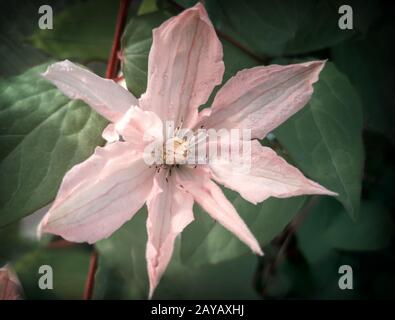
(321, 64)
(259, 252)
(199, 7)
(153, 283)
(151, 293)
(331, 193)
(324, 191)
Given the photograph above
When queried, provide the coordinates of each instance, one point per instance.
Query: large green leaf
(42, 135)
(324, 139)
(83, 31)
(136, 43)
(286, 27)
(366, 62)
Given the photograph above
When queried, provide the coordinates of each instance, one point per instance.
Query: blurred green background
(344, 139)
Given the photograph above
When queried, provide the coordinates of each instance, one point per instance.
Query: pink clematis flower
(99, 195)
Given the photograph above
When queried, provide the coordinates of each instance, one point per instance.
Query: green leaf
(16, 56)
(69, 266)
(231, 279)
(328, 239)
(309, 235)
(324, 139)
(205, 241)
(286, 27)
(373, 230)
(327, 228)
(16, 244)
(147, 6)
(364, 60)
(84, 31)
(122, 271)
(136, 43)
(42, 135)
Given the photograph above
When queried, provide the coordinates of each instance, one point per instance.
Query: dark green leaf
(286, 27)
(324, 139)
(84, 31)
(136, 43)
(69, 266)
(366, 62)
(327, 228)
(17, 23)
(373, 230)
(42, 135)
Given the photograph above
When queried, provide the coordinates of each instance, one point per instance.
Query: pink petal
(269, 176)
(185, 64)
(99, 195)
(10, 287)
(110, 134)
(103, 95)
(140, 127)
(262, 98)
(211, 198)
(169, 212)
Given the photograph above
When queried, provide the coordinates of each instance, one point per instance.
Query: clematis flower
(99, 195)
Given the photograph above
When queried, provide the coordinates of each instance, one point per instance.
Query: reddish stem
(111, 73)
(113, 61)
(90, 281)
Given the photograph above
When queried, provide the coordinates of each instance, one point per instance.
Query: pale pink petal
(269, 175)
(110, 134)
(185, 64)
(103, 95)
(140, 127)
(10, 287)
(99, 195)
(211, 198)
(169, 212)
(262, 98)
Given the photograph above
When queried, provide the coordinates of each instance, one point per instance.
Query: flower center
(175, 151)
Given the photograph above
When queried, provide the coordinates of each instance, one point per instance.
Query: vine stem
(288, 233)
(111, 73)
(113, 60)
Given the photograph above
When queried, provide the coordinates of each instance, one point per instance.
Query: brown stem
(113, 61)
(111, 73)
(90, 280)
